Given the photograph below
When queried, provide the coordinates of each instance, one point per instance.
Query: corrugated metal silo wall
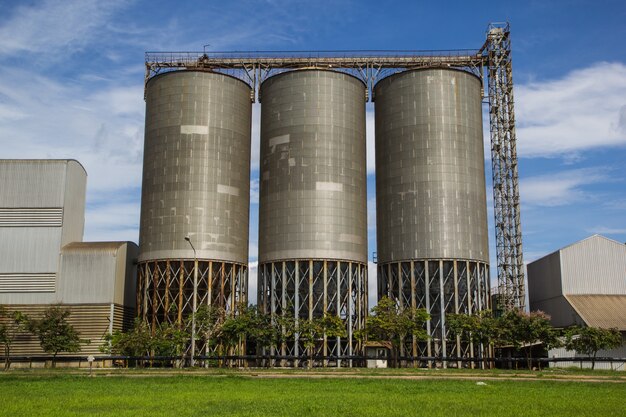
(431, 198)
(313, 208)
(196, 183)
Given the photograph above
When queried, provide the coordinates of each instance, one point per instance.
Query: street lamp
(195, 301)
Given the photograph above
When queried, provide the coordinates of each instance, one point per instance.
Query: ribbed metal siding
(29, 249)
(31, 217)
(92, 321)
(74, 203)
(620, 352)
(544, 279)
(42, 204)
(313, 170)
(32, 183)
(90, 272)
(596, 265)
(26, 283)
(196, 176)
(430, 176)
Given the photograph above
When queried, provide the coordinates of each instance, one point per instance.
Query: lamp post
(194, 301)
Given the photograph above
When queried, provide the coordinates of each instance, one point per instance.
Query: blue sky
(71, 86)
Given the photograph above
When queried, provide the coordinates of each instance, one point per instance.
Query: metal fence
(300, 361)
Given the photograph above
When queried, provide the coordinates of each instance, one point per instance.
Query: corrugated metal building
(44, 262)
(583, 284)
(42, 208)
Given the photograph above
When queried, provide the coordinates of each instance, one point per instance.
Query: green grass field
(234, 394)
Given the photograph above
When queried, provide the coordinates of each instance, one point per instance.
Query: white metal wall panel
(615, 353)
(74, 203)
(88, 272)
(29, 249)
(32, 183)
(42, 207)
(596, 265)
(544, 278)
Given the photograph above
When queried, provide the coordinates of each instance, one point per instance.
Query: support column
(283, 347)
(442, 306)
(413, 306)
(296, 347)
(428, 323)
(350, 312)
(325, 275)
(456, 311)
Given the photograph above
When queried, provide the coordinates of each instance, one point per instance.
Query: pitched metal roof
(92, 247)
(606, 311)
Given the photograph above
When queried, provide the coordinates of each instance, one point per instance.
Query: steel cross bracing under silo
(492, 62)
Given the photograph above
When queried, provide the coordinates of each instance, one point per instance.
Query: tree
(170, 340)
(310, 331)
(389, 322)
(135, 342)
(54, 332)
(263, 333)
(237, 327)
(590, 340)
(284, 328)
(209, 321)
(521, 330)
(480, 328)
(11, 324)
(250, 325)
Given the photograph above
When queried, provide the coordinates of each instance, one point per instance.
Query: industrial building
(45, 262)
(582, 284)
(193, 236)
(313, 204)
(431, 200)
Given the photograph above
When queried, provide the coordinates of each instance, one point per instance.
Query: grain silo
(431, 199)
(313, 220)
(195, 195)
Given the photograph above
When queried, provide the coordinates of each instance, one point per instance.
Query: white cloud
(371, 214)
(583, 110)
(55, 24)
(113, 221)
(559, 188)
(254, 191)
(253, 250)
(603, 230)
(102, 129)
(253, 269)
